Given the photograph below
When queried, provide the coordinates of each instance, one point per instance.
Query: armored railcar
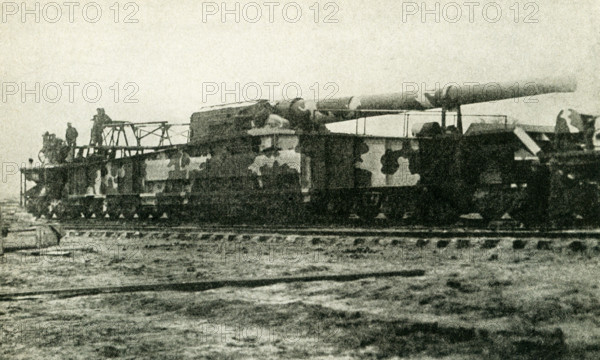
(276, 173)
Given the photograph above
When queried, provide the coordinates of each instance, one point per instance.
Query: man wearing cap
(71, 136)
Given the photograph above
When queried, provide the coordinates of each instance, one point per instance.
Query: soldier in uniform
(100, 120)
(71, 135)
(104, 119)
(96, 135)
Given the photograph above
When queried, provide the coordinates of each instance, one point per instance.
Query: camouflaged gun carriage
(278, 161)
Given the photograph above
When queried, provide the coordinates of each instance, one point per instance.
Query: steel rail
(337, 231)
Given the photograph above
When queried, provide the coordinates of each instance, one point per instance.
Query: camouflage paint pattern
(255, 167)
(94, 180)
(113, 182)
(388, 161)
(350, 161)
(285, 155)
(246, 163)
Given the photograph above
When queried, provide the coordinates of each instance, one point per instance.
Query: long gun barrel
(447, 98)
(307, 115)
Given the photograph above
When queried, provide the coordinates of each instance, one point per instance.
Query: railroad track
(363, 241)
(349, 240)
(404, 232)
(311, 237)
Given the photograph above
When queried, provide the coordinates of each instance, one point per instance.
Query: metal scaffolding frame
(125, 138)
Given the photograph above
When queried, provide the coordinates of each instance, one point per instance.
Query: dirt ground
(472, 303)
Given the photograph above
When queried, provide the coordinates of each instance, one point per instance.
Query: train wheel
(367, 213)
(200, 214)
(129, 211)
(73, 212)
(185, 213)
(171, 214)
(113, 209)
(394, 208)
(443, 214)
(60, 213)
(88, 212)
(368, 206)
(433, 208)
(177, 214)
(330, 209)
(396, 214)
(103, 210)
(144, 213)
(156, 214)
(56, 208)
(114, 213)
(93, 208)
(339, 209)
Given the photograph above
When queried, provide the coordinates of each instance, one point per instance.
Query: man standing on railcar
(96, 135)
(71, 135)
(100, 121)
(102, 117)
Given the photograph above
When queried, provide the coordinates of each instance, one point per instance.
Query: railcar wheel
(443, 214)
(73, 213)
(367, 213)
(91, 209)
(129, 211)
(158, 213)
(114, 213)
(185, 214)
(395, 208)
(333, 208)
(201, 214)
(88, 212)
(113, 209)
(172, 214)
(59, 210)
(144, 213)
(103, 210)
(368, 206)
(339, 209)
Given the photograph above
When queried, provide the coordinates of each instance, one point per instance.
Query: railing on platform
(160, 130)
(363, 115)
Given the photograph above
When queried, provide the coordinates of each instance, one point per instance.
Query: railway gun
(278, 162)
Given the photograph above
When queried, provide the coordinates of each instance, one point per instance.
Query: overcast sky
(168, 59)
